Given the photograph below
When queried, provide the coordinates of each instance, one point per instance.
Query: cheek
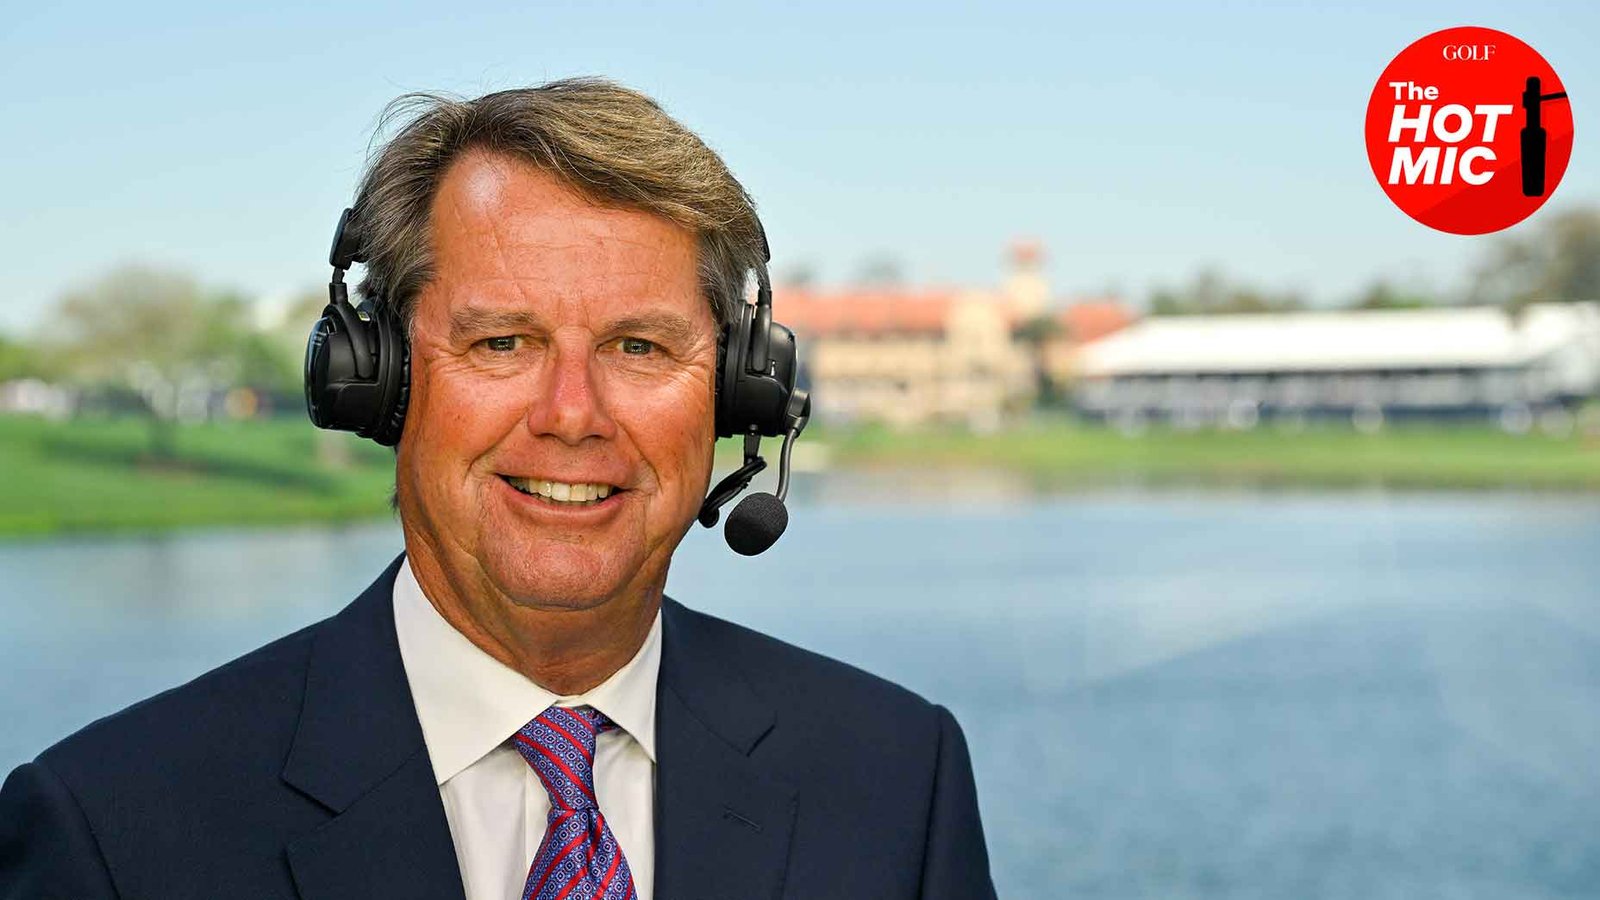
(674, 431)
(455, 419)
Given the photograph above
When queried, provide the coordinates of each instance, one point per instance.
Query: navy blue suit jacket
(299, 770)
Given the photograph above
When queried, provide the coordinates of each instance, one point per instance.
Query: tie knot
(559, 745)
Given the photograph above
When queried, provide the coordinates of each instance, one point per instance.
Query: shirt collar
(469, 702)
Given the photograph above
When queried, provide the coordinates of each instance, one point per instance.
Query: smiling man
(559, 440)
(514, 708)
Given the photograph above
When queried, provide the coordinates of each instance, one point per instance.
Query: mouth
(561, 493)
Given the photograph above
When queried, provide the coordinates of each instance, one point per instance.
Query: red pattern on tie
(579, 858)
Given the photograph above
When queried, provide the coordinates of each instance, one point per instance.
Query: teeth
(562, 492)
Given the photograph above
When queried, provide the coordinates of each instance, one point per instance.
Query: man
(513, 708)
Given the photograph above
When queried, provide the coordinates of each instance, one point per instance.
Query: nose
(569, 401)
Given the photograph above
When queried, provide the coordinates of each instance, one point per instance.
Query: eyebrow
(671, 327)
(471, 321)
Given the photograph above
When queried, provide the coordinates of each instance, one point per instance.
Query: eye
(502, 343)
(633, 346)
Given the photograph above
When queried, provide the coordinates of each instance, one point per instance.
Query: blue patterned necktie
(579, 858)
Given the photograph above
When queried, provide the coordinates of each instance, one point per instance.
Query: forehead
(507, 234)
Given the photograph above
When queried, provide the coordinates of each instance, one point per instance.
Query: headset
(358, 378)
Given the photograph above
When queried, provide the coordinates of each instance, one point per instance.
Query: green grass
(1413, 456)
(98, 475)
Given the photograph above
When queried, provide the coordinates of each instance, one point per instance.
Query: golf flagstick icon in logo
(1534, 138)
(1442, 132)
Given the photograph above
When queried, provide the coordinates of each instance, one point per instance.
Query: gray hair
(610, 143)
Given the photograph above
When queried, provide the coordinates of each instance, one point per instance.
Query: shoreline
(88, 477)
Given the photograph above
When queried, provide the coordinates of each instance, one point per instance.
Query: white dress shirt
(470, 705)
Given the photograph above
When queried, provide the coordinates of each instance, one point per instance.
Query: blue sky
(1138, 141)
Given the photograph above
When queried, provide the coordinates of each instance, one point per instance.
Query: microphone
(756, 523)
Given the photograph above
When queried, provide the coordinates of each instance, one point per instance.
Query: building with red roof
(914, 355)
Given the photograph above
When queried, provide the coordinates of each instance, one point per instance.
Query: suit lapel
(359, 752)
(722, 823)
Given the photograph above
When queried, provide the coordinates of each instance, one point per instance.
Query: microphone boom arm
(737, 480)
(799, 415)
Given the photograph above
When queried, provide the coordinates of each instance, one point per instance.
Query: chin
(555, 575)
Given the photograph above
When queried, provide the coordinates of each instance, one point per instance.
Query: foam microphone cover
(756, 524)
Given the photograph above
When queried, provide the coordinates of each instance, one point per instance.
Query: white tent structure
(1366, 365)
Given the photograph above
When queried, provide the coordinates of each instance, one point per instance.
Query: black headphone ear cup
(339, 370)
(717, 389)
(755, 400)
(396, 420)
(316, 371)
(393, 376)
(731, 352)
(357, 373)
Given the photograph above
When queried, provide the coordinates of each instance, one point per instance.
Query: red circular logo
(1469, 130)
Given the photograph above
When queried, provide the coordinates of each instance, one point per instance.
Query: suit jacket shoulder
(178, 791)
(184, 732)
(792, 676)
(192, 793)
(880, 782)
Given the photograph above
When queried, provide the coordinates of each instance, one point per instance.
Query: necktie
(579, 858)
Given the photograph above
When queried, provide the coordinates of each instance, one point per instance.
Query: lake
(1167, 694)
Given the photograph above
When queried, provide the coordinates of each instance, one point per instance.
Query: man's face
(559, 341)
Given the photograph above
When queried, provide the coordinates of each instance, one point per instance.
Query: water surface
(1166, 695)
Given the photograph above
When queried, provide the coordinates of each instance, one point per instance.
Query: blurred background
(1248, 526)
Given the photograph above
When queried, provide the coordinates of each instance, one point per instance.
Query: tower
(1026, 291)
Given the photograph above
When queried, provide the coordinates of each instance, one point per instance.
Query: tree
(157, 333)
(275, 356)
(1210, 292)
(20, 359)
(1383, 294)
(881, 271)
(1036, 332)
(797, 275)
(1557, 261)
